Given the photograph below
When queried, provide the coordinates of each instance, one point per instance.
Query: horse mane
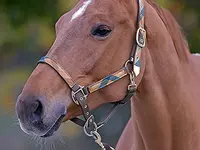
(174, 30)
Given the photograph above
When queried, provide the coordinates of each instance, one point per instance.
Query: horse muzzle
(36, 118)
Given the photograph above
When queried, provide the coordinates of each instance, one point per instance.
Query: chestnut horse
(94, 40)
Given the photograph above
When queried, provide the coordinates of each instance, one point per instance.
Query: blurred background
(26, 33)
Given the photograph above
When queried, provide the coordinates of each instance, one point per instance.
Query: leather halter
(80, 93)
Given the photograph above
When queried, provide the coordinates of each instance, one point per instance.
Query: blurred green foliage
(29, 24)
(22, 10)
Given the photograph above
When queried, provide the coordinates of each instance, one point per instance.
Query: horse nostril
(39, 109)
(38, 112)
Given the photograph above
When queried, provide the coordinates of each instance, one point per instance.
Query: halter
(80, 93)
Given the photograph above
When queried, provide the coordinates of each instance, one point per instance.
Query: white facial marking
(81, 10)
(196, 54)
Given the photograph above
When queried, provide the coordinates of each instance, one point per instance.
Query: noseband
(80, 93)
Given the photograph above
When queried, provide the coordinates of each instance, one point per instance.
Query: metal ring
(126, 66)
(141, 43)
(73, 94)
(95, 135)
(86, 126)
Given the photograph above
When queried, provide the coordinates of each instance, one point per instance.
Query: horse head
(92, 41)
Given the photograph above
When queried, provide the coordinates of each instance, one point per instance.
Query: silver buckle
(132, 85)
(141, 40)
(97, 137)
(126, 65)
(86, 126)
(93, 133)
(81, 90)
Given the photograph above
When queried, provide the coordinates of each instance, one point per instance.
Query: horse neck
(163, 111)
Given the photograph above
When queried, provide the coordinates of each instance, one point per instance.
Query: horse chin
(53, 128)
(47, 126)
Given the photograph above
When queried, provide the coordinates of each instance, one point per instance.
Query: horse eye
(101, 31)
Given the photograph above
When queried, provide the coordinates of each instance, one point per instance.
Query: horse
(81, 71)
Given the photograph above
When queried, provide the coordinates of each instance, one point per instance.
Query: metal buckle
(132, 85)
(83, 93)
(140, 37)
(97, 137)
(90, 121)
(127, 67)
(93, 132)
